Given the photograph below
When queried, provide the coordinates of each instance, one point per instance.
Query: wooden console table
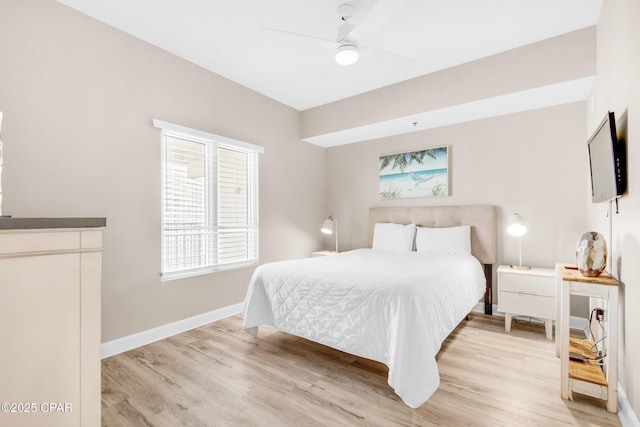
(585, 377)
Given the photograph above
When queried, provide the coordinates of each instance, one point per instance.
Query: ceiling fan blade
(390, 59)
(288, 37)
(378, 16)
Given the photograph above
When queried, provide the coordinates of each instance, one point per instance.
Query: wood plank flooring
(218, 375)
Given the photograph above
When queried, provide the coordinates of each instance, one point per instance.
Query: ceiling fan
(347, 52)
(347, 45)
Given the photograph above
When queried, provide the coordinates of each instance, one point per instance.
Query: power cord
(516, 320)
(595, 345)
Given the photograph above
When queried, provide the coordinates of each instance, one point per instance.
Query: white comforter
(390, 306)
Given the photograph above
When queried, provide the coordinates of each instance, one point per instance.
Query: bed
(394, 305)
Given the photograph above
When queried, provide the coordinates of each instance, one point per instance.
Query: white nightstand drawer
(527, 304)
(528, 283)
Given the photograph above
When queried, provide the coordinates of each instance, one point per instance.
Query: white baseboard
(479, 308)
(120, 345)
(574, 323)
(626, 414)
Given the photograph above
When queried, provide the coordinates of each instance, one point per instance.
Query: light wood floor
(218, 375)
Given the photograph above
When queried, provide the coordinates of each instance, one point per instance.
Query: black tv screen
(607, 162)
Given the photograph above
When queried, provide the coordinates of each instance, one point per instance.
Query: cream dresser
(50, 272)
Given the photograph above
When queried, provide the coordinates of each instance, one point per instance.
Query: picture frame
(414, 174)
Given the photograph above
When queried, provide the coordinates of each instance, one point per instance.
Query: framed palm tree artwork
(423, 173)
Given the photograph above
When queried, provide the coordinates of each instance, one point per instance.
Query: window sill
(183, 274)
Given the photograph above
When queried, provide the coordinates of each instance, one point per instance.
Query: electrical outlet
(600, 314)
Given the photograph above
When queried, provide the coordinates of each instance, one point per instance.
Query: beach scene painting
(423, 173)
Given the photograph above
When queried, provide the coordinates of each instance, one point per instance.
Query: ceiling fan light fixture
(347, 54)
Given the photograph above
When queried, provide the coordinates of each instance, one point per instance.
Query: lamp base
(520, 267)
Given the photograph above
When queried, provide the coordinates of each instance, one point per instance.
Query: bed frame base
(488, 274)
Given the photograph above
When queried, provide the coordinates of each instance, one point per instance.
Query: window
(209, 202)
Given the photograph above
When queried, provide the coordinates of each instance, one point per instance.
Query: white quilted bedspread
(390, 306)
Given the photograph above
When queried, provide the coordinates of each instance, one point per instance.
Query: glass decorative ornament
(591, 255)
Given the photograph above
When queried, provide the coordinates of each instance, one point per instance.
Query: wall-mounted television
(607, 161)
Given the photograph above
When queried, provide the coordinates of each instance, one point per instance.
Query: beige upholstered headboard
(481, 218)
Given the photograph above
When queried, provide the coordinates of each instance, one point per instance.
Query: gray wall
(617, 88)
(78, 99)
(534, 163)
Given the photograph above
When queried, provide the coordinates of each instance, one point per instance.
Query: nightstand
(322, 253)
(528, 293)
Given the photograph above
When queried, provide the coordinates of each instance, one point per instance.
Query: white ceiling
(232, 37)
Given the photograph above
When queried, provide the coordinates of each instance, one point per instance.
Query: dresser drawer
(528, 283)
(527, 304)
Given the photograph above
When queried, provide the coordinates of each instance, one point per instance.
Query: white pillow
(390, 236)
(446, 240)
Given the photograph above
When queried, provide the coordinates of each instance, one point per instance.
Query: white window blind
(209, 202)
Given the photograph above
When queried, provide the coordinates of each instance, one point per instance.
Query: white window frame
(212, 142)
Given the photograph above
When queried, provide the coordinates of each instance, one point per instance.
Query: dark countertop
(7, 223)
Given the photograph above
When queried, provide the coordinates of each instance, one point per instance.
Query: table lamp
(517, 229)
(330, 226)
